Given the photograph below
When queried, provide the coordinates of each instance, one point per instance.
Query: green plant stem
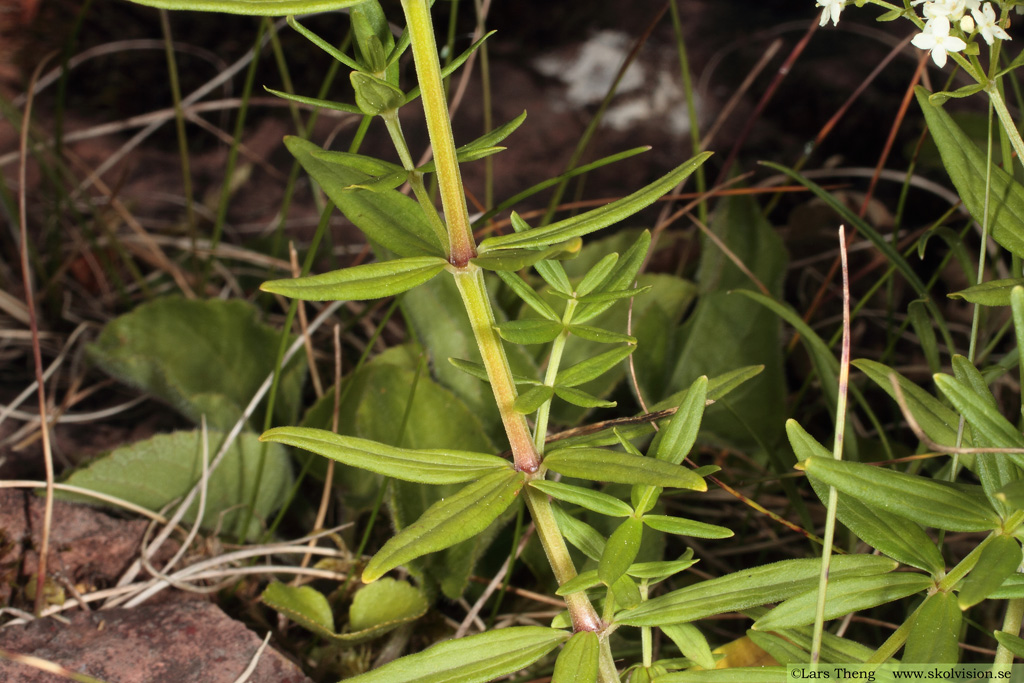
(1011, 624)
(1006, 119)
(470, 282)
(582, 613)
(439, 127)
(540, 432)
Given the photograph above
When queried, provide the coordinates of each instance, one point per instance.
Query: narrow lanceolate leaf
(747, 588)
(532, 399)
(1000, 558)
(582, 398)
(981, 415)
(845, 595)
(674, 442)
(530, 331)
(578, 660)
(925, 501)
(600, 503)
(316, 102)
(691, 643)
(529, 297)
(448, 521)
(992, 293)
(659, 571)
(596, 275)
(596, 334)
(370, 281)
(594, 367)
(597, 464)
(517, 259)
(935, 635)
(259, 8)
(425, 466)
(686, 527)
(899, 538)
(1014, 644)
(480, 372)
(580, 534)
(591, 221)
(620, 551)
(474, 659)
(969, 169)
(583, 581)
(621, 277)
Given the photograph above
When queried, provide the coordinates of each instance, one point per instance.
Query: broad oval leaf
(748, 588)
(474, 659)
(383, 606)
(368, 281)
(594, 220)
(259, 8)
(1000, 558)
(375, 96)
(600, 503)
(448, 521)
(620, 551)
(686, 527)
(844, 595)
(925, 501)
(934, 637)
(426, 466)
(578, 660)
(597, 464)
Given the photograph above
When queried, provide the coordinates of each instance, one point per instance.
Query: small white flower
(936, 38)
(952, 9)
(831, 10)
(986, 19)
(967, 23)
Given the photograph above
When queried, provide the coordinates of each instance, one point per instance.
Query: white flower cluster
(940, 16)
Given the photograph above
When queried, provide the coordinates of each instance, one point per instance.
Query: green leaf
(968, 169)
(621, 277)
(1014, 644)
(260, 8)
(315, 102)
(982, 415)
(596, 334)
(600, 503)
(892, 535)
(626, 593)
(202, 357)
(334, 52)
(686, 527)
(368, 281)
(420, 465)
(517, 259)
(601, 465)
(389, 219)
(674, 442)
(448, 522)
(304, 605)
(529, 331)
(935, 634)
(991, 293)
(659, 571)
(583, 581)
(580, 534)
(578, 660)
(530, 297)
(478, 371)
(748, 588)
(532, 399)
(1000, 558)
(592, 368)
(936, 419)
(383, 606)
(620, 550)
(154, 472)
(925, 501)
(845, 595)
(474, 659)
(596, 275)
(594, 220)
(582, 398)
(489, 140)
(692, 643)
